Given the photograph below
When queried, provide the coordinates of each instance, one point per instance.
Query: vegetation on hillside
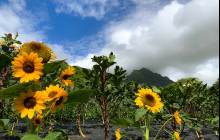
(148, 77)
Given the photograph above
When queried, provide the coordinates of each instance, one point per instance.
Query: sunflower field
(39, 91)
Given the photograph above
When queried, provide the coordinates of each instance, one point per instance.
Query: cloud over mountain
(181, 40)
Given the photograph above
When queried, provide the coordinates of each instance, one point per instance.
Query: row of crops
(39, 90)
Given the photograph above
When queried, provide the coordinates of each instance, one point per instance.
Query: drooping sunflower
(38, 120)
(65, 75)
(58, 103)
(177, 118)
(149, 99)
(53, 92)
(117, 134)
(177, 135)
(37, 47)
(27, 67)
(29, 102)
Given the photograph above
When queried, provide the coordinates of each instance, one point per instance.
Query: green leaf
(63, 133)
(52, 67)
(195, 126)
(124, 123)
(31, 137)
(155, 89)
(4, 122)
(140, 113)
(18, 42)
(215, 121)
(15, 90)
(167, 116)
(79, 97)
(181, 89)
(215, 128)
(5, 60)
(54, 136)
(175, 105)
(111, 57)
(5, 48)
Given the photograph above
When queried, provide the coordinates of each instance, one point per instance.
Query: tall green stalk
(31, 126)
(28, 126)
(147, 125)
(13, 132)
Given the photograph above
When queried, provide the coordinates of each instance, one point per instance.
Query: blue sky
(176, 38)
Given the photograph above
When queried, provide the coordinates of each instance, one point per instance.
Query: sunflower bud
(16, 35)
(9, 36)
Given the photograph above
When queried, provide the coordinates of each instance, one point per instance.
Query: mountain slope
(148, 77)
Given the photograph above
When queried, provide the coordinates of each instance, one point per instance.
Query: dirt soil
(95, 131)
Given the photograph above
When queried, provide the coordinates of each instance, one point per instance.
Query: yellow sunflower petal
(24, 113)
(30, 113)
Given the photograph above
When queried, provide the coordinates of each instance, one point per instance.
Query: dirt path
(95, 131)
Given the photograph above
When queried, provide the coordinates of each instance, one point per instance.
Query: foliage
(100, 95)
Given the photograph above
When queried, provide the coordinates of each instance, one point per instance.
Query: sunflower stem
(13, 132)
(38, 130)
(28, 126)
(31, 126)
(55, 80)
(147, 124)
(13, 127)
(168, 132)
(162, 127)
(47, 113)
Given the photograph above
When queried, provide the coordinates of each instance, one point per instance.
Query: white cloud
(60, 51)
(85, 62)
(179, 41)
(18, 5)
(14, 17)
(85, 8)
(208, 71)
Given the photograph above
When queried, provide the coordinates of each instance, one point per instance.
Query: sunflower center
(58, 102)
(36, 46)
(52, 94)
(37, 121)
(149, 100)
(65, 77)
(30, 102)
(28, 67)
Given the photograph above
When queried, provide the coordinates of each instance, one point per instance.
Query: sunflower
(177, 118)
(37, 47)
(65, 75)
(27, 67)
(53, 92)
(149, 99)
(177, 136)
(38, 120)
(28, 102)
(58, 103)
(117, 134)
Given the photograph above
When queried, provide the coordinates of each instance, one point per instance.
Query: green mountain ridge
(148, 77)
(143, 75)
